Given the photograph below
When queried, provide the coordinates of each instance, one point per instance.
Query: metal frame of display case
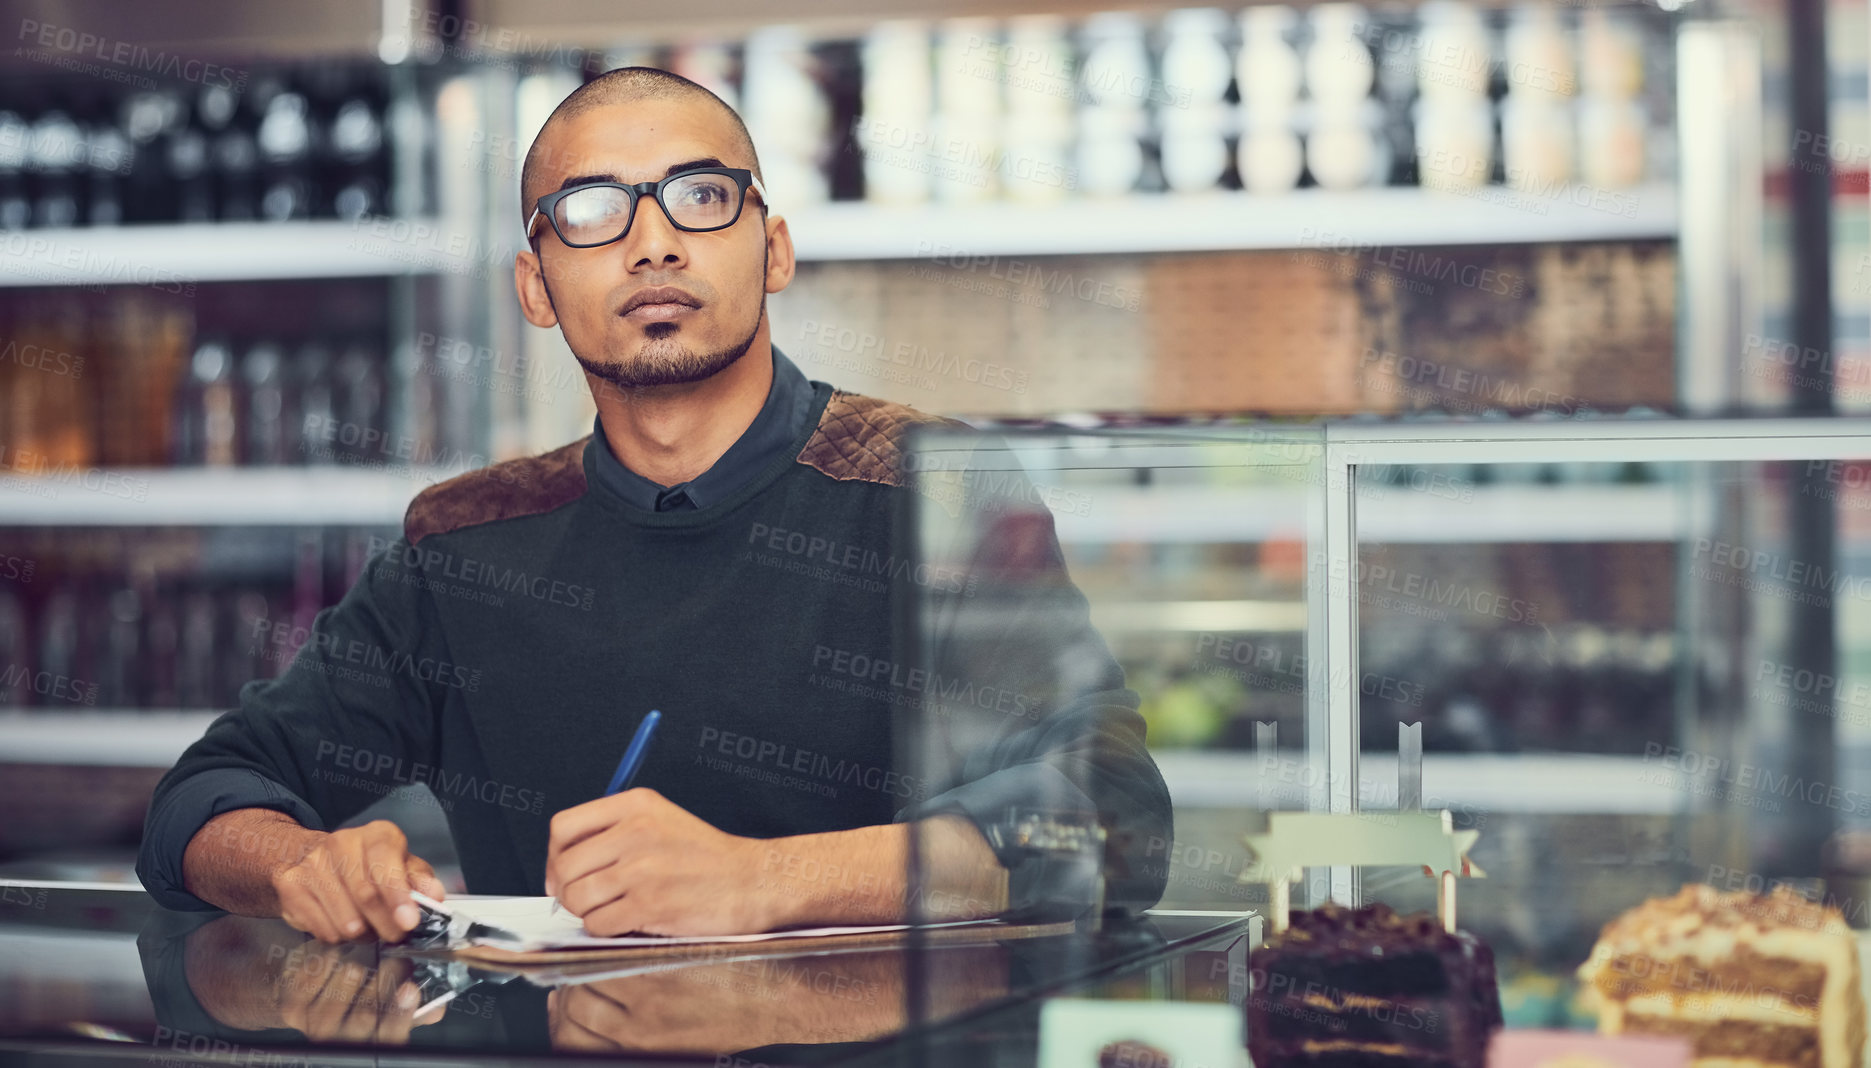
(1332, 725)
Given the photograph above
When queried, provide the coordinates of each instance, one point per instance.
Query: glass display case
(1630, 653)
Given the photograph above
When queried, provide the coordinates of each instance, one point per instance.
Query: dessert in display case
(1627, 656)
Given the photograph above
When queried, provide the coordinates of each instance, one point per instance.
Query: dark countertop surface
(93, 975)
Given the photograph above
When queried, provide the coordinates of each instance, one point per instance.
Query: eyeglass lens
(693, 201)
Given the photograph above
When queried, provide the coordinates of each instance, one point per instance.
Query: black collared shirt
(781, 420)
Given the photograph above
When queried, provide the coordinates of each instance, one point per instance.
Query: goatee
(667, 362)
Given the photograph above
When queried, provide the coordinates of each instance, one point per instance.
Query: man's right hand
(355, 883)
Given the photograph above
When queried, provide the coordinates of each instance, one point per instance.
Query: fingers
(618, 915)
(588, 1019)
(341, 997)
(422, 877)
(581, 861)
(355, 883)
(311, 901)
(325, 1016)
(574, 825)
(379, 884)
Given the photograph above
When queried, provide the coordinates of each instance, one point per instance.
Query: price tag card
(1582, 1049)
(1082, 1033)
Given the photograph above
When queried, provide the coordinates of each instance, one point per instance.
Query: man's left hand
(638, 862)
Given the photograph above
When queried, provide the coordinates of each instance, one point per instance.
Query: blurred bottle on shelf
(1345, 146)
(264, 385)
(354, 160)
(1270, 157)
(187, 183)
(120, 663)
(786, 115)
(1114, 84)
(1038, 126)
(63, 652)
(126, 619)
(247, 611)
(109, 159)
(55, 155)
(234, 153)
(15, 207)
(965, 131)
(284, 141)
(898, 98)
(196, 673)
(162, 643)
(48, 400)
(1193, 120)
(147, 349)
(147, 120)
(1538, 134)
(205, 407)
(1453, 116)
(358, 399)
(1612, 126)
(16, 654)
(317, 411)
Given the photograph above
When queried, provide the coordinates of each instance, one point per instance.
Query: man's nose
(653, 241)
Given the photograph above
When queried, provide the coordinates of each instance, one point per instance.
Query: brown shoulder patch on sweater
(531, 485)
(861, 438)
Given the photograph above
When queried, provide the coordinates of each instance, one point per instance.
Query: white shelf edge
(1477, 785)
(168, 256)
(1494, 513)
(100, 737)
(1310, 220)
(205, 496)
(362, 496)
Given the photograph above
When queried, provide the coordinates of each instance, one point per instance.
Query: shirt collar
(781, 421)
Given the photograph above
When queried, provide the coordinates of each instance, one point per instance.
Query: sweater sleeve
(351, 718)
(1026, 708)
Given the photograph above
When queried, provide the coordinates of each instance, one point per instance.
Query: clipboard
(465, 937)
(971, 934)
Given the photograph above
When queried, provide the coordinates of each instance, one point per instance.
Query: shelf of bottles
(217, 391)
(1200, 129)
(169, 619)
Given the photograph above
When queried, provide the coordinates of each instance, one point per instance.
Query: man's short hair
(621, 86)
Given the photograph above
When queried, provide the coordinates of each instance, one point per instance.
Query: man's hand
(636, 861)
(356, 882)
(350, 994)
(252, 974)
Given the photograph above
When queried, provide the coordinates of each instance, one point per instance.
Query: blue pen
(633, 756)
(633, 761)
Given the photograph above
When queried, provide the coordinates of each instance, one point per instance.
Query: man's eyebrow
(587, 179)
(693, 164)
(674, 168)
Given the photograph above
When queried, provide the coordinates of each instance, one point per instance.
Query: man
(722, 549)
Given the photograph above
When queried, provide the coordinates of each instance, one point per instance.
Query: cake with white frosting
(1752, 981)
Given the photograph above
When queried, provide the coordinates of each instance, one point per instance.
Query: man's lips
(658, 303)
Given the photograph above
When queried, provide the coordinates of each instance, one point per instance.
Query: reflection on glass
(711, 1009)
(1157, 571)
(1627, 680)
(247, 982)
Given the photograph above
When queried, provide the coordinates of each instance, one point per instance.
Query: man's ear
(780, 262)
(530, 284)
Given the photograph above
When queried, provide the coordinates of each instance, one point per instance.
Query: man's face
(660, 306)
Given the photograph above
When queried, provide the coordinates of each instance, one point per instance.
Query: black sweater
(812, 676)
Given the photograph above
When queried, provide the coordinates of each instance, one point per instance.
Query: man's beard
(666, 361)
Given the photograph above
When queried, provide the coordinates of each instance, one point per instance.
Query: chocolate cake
(1367, 988)
(1753, 981)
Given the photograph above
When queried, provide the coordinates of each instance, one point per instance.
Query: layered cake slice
(1367, 988)
(1768, 981)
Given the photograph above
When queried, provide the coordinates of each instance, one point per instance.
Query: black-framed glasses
(586, 216)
